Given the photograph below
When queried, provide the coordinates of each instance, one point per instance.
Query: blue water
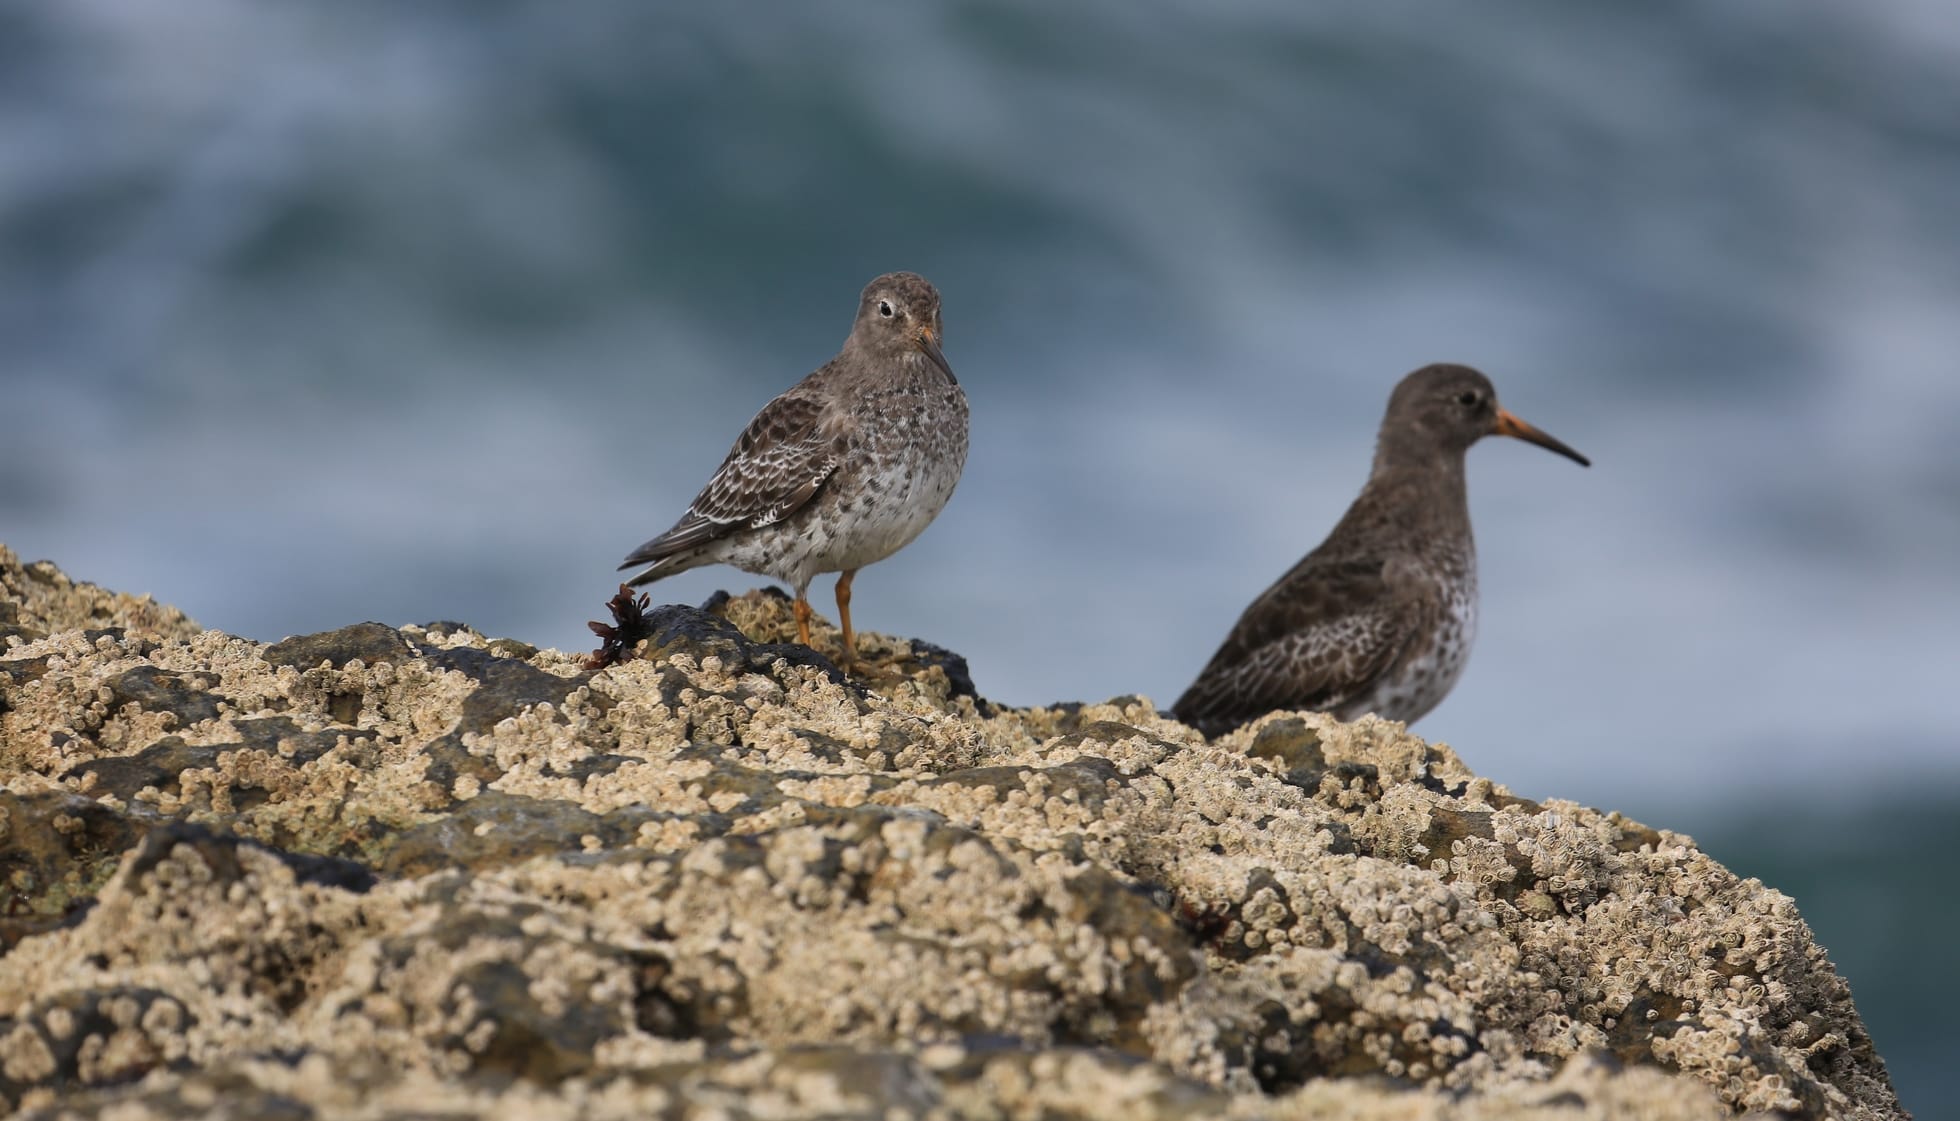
(311, 314)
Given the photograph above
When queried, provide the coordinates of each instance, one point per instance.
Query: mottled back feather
(779, 463)
(1317, 637)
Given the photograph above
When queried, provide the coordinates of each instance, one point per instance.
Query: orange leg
(803, 613)
(844, 614)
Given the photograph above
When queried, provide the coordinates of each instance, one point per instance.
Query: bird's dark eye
(1468, 397)
(885, 308)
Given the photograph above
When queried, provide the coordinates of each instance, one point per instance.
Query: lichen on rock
(398, 871)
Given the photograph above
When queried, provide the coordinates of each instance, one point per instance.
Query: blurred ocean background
(318, 313)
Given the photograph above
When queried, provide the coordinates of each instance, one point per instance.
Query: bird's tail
(662, 567)
(676, 550)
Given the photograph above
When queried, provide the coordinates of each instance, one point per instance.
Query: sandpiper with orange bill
(1379, 618)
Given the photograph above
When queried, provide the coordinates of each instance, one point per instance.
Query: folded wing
(1315, 639)
(778, 465)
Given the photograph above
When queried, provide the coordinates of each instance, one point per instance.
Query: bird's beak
(929, 343)
(1507, 424)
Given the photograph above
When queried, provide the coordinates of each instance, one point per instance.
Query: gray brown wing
(780, 462)
(1311, 641)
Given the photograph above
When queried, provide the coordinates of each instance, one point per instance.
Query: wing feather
(780, 462)
(1317, 637)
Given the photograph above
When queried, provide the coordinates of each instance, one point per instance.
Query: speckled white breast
(1421, 681)
(894, 480)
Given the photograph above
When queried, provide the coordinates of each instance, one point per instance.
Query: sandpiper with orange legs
(842, 470)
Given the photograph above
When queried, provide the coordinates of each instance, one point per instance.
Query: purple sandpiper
(843, 469)
(1380, 617)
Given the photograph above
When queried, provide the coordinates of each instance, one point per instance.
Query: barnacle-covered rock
(405, 871)
(38, 599)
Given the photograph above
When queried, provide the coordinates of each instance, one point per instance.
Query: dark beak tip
(1572, 455)
(930, 347)
(1568, 452)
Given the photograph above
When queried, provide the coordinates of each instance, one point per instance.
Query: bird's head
(899, 316)
(1452, 407)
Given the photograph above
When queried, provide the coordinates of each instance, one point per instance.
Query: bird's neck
(884, 362)
(856, 347)
(1422, 484)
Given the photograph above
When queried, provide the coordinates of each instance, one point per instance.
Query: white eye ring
(885, 308)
